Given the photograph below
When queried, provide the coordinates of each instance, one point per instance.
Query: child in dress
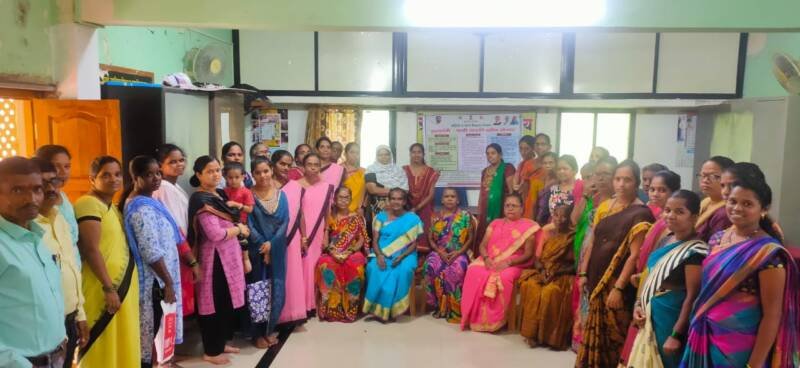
(239, 198)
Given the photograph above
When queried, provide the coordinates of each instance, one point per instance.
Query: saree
(725, 319)
(268, 223)
(712, 219)
(487, 293)
(534, 177)
(387, 291)
(605, 329)
(445, 280)
(580, 305)
(420, 187)
(355, 182)
(547, 294)
(333, 174)
(294, 307)
(315, 205)
(340, 271)
(492, 195)
(662, 307)
(113, 338)
(152, 236)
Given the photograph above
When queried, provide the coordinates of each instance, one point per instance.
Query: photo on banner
(456, 143)
(271, 127)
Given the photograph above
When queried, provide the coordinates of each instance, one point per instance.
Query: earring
(763, 216)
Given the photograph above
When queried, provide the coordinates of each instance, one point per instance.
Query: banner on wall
(686, 132)
(456, 143)
(271, 127)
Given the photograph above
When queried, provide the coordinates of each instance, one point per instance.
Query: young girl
(240, 199)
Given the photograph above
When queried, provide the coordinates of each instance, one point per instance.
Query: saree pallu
(420, 187)
(387, 290)
(530, 173)
(294, 307)
(338, 280)
(662, 307)
(445, 280)
(486, 292)
(605, 329)
(490, 200)
(315, 205)
(333, 174)
(712, 219)
(547, 295)
(725, 320)
(113, 338)
(355, 182)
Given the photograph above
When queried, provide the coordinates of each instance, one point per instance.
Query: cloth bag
(259, 295)
(165, 338)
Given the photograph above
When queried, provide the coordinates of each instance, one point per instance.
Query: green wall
(25, 50)
(758, 78)
(158, 50)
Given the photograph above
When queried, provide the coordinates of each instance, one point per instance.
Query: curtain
(342, 124)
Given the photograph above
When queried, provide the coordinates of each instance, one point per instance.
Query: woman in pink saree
(507, 247)
(330, 171)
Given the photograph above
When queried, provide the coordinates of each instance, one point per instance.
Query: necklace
(729, 241)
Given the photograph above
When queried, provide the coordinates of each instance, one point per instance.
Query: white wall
(655, 141)
(186, 125)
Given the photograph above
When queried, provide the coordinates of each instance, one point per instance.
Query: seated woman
(340, 270)
(451, 235)
(746, 311)
(379, 178)
(390, 270)
(505, 250)
(547, 289)
(668, 292)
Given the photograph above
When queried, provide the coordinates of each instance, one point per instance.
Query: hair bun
(194, 181)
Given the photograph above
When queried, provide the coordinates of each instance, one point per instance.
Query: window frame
(595, 112)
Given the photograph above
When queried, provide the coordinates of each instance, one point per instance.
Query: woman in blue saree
(670, 283)
(390, 270)
(267, 247)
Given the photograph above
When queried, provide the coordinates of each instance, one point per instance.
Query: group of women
(666, 281)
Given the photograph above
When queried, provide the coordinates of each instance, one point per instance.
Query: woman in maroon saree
(421, 184)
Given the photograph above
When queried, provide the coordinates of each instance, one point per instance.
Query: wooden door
(88, 128)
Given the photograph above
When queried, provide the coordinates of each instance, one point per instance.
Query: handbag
(259, 295)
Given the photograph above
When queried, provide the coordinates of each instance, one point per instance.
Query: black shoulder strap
(325, 205)
(297, 220)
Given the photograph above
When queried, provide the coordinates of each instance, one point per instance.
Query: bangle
(677, 335)
(582, 274)
(619, 288)
(192, 263)
(109, 289)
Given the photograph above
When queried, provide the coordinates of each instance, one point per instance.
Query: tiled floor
(419, 342)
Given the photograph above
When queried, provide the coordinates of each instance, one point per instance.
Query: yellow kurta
(114, 341)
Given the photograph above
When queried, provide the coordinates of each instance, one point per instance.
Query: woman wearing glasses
(712, 209)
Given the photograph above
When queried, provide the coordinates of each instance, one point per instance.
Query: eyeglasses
(55, 182)
(709, 177)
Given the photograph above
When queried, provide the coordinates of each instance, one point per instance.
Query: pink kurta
(333, 175)
(487, 293)
(213, 241)
(294, 308)
(316, 203)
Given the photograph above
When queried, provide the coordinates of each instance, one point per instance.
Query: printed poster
(686, 133)
(271, 127)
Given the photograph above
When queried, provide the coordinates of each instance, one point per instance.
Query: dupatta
(206, 202)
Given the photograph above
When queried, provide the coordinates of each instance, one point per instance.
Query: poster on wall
(271, 127)
(686, 132)
(456, 143)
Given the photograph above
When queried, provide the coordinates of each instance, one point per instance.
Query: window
(581, 131)
(375, 127)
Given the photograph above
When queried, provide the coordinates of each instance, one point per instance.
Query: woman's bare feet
(532, 343)
(217, 360)
(272, 339)
(261, 343)
(231, 350)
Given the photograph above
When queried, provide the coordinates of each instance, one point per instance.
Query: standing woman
(267, 246)
(505, 251)
(154, 238)
(315, 203)
(451, 235)
(281, 165)
(173, 163)
(380, 177)
(300, 153)
(60, 158)
(390, 270)
(619, 229)
(331, 172)
(354, 179)
(598, 153)
(340, 271)
(496, 181)
(421, 186)
(529, 179)
(712, 210)
(212, 232)
(746, 314)
(565, 192)
(110, 282)
(294, 307)
(668, 292)
(233, 152)
(662, 185)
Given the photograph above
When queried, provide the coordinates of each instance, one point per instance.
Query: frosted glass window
(522, 62)
(576, 135)
(698, 62)
(443, 61)
(277, 60)
(375, 126)
(614, 62)
(355, 61)
(613, 131)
